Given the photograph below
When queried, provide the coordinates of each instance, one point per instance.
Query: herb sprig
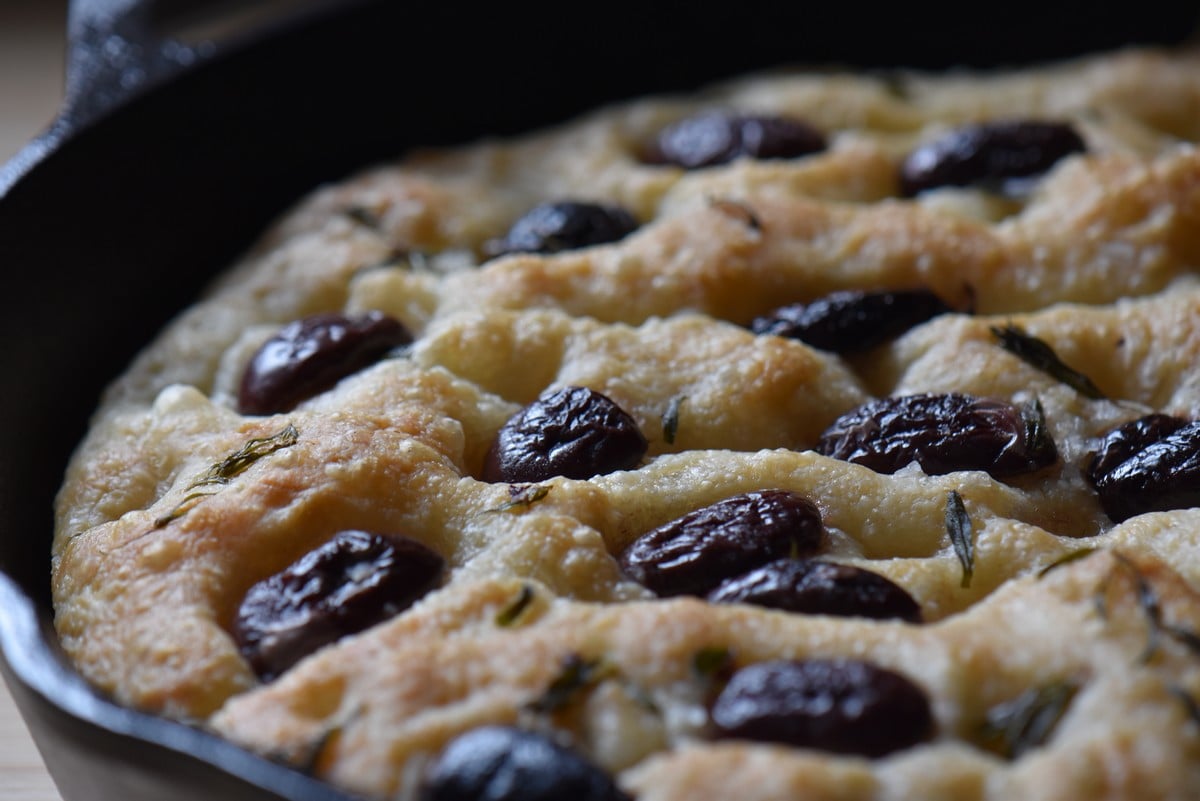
(522, 496)
(577, 674)
(511, 613)
(1039, 354)
(1027, 721)
(1148, 602)
(229, 468)
(670, 418)
(962, 535)
(738, 210)
(238, 462)
(1073, 556)
(713, 662)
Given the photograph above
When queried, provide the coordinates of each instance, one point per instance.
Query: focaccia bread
(816, 435)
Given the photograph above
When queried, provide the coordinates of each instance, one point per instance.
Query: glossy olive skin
(718, 137)
(694, 553)
(564, 225)
(310, 355)
(504, 763)
(852, 321)
(1150, 464)
(842, 706)
(815, 587)
(573, 432)
(349, 584)
(988, 154)
(943, 433)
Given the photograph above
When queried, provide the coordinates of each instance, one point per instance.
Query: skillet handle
(119, 49)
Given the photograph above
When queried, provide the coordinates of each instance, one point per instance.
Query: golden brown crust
(152, 556)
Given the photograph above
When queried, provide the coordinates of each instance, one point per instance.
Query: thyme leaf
(237, 463)
(712, 662)
(1190, 704)
(363, 216)
(1147, 600)
(641, 696)
(522, 496)
(1037, 433)
(1037, 353)
(577, 675)
(181, 508)
(227, 469)
(1026, 722)
(1189, 639)
(737, 210)
(312, 761)
(670, 418)
(962, 535)
(1073, 556)
(509, 614)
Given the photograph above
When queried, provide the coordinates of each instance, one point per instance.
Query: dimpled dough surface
(1098, 260)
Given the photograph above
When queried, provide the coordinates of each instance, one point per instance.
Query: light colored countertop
(31, 80)
(23, 775)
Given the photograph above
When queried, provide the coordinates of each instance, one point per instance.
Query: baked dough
(1096, 258)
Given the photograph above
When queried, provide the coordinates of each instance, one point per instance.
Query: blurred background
(32, 53)
(32, 34)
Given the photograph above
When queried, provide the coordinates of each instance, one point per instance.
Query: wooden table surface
(23, 775)
(31, 80)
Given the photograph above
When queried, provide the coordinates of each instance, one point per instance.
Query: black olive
(814, 587)
(350, 583)
(574, 432)
(718, 137)
(308, 356)
(1150, 464)
(564, 225)
(694, 553)
(942, 433)
(852, 320)
(504, 763)
(843, 706)
(988, 153)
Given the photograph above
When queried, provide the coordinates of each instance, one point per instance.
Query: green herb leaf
(1037, 433)
(363, 216)
(737, 210)
(181, 508)
(962, 535)
(1147, 600)
(670, 418)
(1026, 722)
(641, 696)
(1073, 556)
(523, 496)
(227, 469)
(1190, 705)
(577, 675)
(237, 463)
(312, 760)
(712, 662)
(1189, 639)
(509, 614)
(1040, 355)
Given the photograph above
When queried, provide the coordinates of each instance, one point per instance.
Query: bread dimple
(176, 503)
(652, 646)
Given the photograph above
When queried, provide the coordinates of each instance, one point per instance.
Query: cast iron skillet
(171, 153)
